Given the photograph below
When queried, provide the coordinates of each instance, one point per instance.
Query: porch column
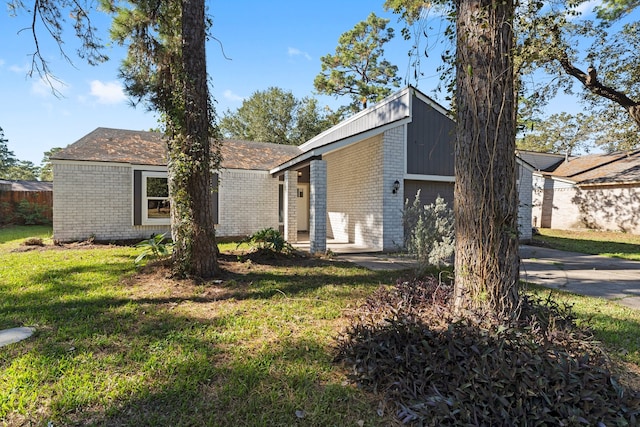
(290, 205)
(318, 207)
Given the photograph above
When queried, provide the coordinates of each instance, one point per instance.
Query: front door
(303, 207)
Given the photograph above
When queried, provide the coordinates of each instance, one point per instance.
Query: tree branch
(590, 81)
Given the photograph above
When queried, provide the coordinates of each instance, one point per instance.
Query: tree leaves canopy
(7, 158)
(547, 38)
(357, 68)
(275, 115)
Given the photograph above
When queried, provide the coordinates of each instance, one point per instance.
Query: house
(598, 191)
(348, 184)
(37, 194)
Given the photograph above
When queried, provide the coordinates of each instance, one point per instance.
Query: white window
(155, 198)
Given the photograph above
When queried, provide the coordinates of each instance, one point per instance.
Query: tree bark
(486, 260)
(190, 175)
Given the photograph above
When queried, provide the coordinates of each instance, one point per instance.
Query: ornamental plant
(429, 232)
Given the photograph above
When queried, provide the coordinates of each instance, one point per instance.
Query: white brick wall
(318, 207)
(248, 202)
(354, 193)
(525, 203)
(393, 204)
(95, 200)
(361, 207)
(290, 194)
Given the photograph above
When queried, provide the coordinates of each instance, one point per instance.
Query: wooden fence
(40, 204)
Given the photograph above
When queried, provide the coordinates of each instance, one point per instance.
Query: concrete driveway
(593, 275)
(610, 278)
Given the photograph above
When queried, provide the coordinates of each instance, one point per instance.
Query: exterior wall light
(396, 186)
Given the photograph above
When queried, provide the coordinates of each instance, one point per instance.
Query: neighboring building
(349, 183)
(598, 191)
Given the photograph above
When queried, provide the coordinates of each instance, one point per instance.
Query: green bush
(6, 213)
(31, 213)
(429, 231)
(269, 239)
(23, 213)
(155, 247)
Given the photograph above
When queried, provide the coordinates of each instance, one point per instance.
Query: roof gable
(540, 161)
(393, 108)
(390, 112)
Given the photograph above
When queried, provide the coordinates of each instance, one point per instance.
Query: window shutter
(137, 197)
(215, 186)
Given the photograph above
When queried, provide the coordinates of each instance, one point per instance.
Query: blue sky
(276, 43)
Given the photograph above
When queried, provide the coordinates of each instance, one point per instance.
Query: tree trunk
(190, 176)
(486, 260)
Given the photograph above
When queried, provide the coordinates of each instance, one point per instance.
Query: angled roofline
(332, 138)
(317, 153)
(621, 155)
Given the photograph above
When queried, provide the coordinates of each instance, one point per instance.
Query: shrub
(29, 213)
(155, 247)
(429, 231)
(6, 213)
(268, 239)
(436, 369)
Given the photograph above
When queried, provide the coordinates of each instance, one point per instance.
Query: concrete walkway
(610, 278)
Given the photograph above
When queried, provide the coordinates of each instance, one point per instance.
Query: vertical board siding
(429, 191)
(430, 141)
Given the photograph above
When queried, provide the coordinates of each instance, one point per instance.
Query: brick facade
(95, 201)
(318, 207)
(361, 207)
(561, 205)
(248, 202)
(92, 200)
(524, 184)
(393, 203)
(354, 193)
(290, 194)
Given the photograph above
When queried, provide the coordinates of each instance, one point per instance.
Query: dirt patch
(28, 246)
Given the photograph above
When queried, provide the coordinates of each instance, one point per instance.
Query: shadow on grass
(285, 384)
(104, 355)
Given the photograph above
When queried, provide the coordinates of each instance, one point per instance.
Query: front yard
(116, 345)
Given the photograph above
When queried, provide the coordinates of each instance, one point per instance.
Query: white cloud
(47, 86)
(1, 62)
(228, 94)
(292, 51)
(107, 93)
(17, 69)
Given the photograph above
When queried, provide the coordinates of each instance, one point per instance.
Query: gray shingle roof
(21, 185)
(149, 148)
(618, 167)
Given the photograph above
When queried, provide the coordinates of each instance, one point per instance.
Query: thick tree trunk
(486, 260)
(195, 250)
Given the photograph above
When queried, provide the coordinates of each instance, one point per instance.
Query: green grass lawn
(606, 243)
(114, 346)
(119, 346)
